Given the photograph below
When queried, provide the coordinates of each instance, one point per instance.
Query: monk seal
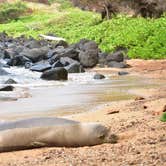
(46, 132)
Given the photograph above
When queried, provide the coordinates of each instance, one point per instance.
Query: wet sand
(70, 98)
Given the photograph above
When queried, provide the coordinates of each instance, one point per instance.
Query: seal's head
(94, 133)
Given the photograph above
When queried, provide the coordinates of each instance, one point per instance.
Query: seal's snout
(112, 138)
(102, 132)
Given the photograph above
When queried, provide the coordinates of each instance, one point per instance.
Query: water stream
(56, 98)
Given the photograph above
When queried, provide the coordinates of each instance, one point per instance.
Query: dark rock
(7, 88)
(35, 54)
(57, 64)
(102, 55)
(80, 44)
(18, 60)
(59, 50)
(70, 52)
(3, 72)
(62, 43)
(28, 65)
(102, 59)
(98, 76)
(117, 56)
(122, 73)
(10, 81)
(9, 53)
(117, 64)
(41, 67)
(53, 59)
(55, 74)
(19, 49)
(33, 44)
(74, 68)
(88, 58)
(67, 61)
(50, 53)
(91, 45)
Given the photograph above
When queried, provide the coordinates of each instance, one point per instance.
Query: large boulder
(35, 54)
(90, 45)
(80, 44)
(55, 74)
(88, 52)
(74, 68)
(88, 58)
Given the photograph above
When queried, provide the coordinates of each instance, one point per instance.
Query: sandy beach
(142, 136)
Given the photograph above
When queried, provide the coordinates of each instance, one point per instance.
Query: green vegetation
(163, 117)
(12, 11)
(145, 38)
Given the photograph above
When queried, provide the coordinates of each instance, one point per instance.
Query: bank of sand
(142, 136)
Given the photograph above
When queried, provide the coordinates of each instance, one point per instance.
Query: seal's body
(44, 132)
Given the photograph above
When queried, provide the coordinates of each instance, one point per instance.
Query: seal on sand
(45, 132)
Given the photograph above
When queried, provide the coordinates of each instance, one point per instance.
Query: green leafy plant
(144, 38)
(163, 117)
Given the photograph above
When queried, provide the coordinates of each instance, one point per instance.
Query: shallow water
(56, 98)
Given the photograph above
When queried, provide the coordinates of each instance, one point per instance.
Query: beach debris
(52, 38)
(139, 98)
(112, 112)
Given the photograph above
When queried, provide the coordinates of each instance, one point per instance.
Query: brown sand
(142, 137)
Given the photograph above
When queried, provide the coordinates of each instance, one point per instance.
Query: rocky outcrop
(43, 56)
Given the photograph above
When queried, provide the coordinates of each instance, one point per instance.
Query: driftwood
(52, 38)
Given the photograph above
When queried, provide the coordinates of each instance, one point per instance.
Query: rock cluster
(55, 60)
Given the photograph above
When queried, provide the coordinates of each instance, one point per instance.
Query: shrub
(10, 11)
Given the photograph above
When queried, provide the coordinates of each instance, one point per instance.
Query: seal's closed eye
(102, 136)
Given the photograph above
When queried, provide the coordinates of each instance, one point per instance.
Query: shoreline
(141, 134)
